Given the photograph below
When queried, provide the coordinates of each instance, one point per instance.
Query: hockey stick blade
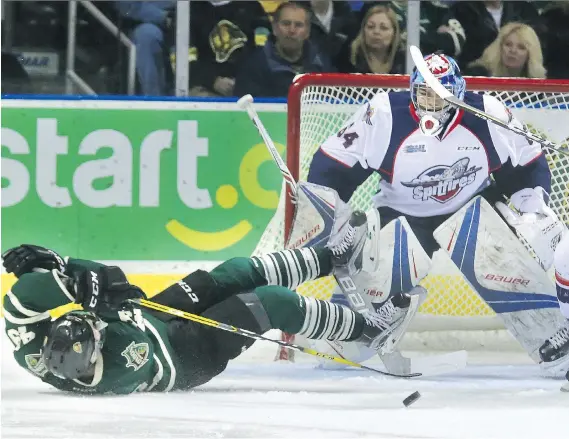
(432, 365)
(565, 387)
(224, 327)
(445, 94)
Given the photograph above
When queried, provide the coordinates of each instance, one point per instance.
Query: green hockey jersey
(136, 355)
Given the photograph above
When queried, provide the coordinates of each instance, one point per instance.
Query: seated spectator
(481, 21)
(377, 48)
(270, 70)
(333, 23)
(516, 53)
(438, 30)
(554, 31)
(223, 33)
(151, 25)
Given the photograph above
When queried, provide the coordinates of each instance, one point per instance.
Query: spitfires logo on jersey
(442, 183)
(438, 65)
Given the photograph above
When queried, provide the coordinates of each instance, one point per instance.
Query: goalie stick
(447, 96)
(394, 361)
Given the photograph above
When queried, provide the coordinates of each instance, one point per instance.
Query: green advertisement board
(136, 180)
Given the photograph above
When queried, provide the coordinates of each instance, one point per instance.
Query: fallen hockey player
(114, 346)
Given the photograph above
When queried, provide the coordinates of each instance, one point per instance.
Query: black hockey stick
(255, 336)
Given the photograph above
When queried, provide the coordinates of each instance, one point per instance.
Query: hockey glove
(104, 290)
(23, 259)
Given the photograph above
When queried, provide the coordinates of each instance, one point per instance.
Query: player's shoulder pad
(399, 100)
(494, 107)
(376, 110)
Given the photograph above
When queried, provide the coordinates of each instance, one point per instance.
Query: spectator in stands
(223, 33)
(438, 29)
(554, 32)
(333, 23)
(515, 53)
(271, 69)
(150, 25)
(377, 47)
(482, 20)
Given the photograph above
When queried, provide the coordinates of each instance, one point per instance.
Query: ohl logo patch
(442, 183)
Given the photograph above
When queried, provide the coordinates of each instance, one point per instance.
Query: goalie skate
(391, 319)
(347, 248)
(554, 353)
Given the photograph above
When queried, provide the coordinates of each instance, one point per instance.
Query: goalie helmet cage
(318, 105)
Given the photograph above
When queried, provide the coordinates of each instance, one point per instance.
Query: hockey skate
(385, 327)
(347, 251)
(554, 353)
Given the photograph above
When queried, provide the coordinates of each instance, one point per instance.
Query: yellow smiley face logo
(227, 197)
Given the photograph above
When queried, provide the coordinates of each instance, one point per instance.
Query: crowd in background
(257, 47)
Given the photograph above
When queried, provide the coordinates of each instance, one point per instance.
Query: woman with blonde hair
(516, 52)
(377, 47)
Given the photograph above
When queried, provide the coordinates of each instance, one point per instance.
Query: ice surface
(498, 396)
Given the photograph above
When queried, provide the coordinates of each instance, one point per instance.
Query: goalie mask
(432, 110)
(74, 344)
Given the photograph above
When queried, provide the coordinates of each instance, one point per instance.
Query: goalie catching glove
(104, 289)
(535, 222)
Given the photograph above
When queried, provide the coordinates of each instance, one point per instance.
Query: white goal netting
(319, 105)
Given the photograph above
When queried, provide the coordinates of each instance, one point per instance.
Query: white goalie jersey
(421, 175)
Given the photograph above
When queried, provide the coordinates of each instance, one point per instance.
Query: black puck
(411, 399)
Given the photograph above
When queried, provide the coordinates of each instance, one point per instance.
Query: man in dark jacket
(150, 23)
(270, 70)
(332, 24)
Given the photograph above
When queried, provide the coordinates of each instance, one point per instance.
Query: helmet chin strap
(429, 125)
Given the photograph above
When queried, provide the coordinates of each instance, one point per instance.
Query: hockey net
(319, 104)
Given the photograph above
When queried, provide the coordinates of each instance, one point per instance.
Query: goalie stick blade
(432, 365)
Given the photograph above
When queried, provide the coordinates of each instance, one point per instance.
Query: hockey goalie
(449, 181)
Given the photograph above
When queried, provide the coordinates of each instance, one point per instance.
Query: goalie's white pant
(562, 274)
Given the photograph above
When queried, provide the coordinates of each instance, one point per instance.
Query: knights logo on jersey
(36, 365)
(439, 65)
(442, 183)
(136, 355)
(369, 114)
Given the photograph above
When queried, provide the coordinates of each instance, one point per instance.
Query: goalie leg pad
(500, 269)
(402, 264)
